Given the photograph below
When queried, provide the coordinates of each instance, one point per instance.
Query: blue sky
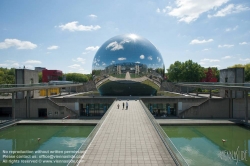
(65, 35)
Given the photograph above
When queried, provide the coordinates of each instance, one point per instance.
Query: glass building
(128, 65)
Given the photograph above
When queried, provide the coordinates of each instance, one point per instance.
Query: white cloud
(142, 57)
(202, 63)
(196, 41)
(245, 60)
(17, 43)
(225, 45)
(32, 62)
(80, 60)
(206, 49)
(53, 47)
(150, 58)
(159, 59)
(15, 65)
(137, 62)
(73, 26)
(92, 48)
(121, 59)
(114, 46)
(74, 66)
(190, 10)
(226, 57)
(232, 29)
(166, 9)
(10, 64)
(4, 65)
(243, 43)
(229, 9)
(210, 60)
(92, 16)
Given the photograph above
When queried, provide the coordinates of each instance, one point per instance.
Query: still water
(37, 144)
(211, 145)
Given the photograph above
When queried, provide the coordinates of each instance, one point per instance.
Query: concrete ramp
(126, 137)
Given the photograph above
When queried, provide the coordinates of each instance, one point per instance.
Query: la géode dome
(128, 65)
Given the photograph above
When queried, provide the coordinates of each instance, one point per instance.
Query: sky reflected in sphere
(127, 59)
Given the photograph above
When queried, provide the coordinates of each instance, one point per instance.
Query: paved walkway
(127, 77)
(127, 137)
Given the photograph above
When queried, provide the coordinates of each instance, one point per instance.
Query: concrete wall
(186, 102)
(169, 86)
(191, 107)
(212, 108)
(232, 75)
(53, 110)
(239, 108)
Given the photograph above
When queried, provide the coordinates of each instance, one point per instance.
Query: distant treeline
(75, 77)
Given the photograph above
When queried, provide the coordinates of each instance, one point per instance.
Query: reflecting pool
(211, 145)
(40, 144)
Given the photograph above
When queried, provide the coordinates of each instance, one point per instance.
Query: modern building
(128, 65)
(233, 76)
(51, 75)
(40, 69)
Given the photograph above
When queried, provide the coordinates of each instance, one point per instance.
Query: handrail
(75, 159)
(176, 155)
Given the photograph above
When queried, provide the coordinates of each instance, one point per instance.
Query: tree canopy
(7, 76)
(188, 71)
(77, 77)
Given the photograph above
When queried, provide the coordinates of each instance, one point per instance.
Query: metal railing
(176, 155)
(215, 84)
(76, 158)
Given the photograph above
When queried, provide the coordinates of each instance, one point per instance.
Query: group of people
(118, 105)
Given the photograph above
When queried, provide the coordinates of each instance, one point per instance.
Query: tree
(40, 77)
(7, 76)
(211, 75)
(192, 72)
(76, 77)
(247, 72)
(174, 71)
(188, 71)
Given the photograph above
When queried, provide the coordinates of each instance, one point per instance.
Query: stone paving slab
(127, 137)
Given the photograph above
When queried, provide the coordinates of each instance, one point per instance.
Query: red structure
(51, 75)
(210, 76)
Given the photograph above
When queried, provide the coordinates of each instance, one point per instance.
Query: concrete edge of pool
(93, 122)
(162, 122)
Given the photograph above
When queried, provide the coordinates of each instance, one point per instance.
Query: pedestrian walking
(118, 106)
(126, 105)
(123, 105)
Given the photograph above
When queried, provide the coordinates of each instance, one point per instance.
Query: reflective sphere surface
(128, 65)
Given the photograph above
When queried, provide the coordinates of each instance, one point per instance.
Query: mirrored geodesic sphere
(128, 65)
